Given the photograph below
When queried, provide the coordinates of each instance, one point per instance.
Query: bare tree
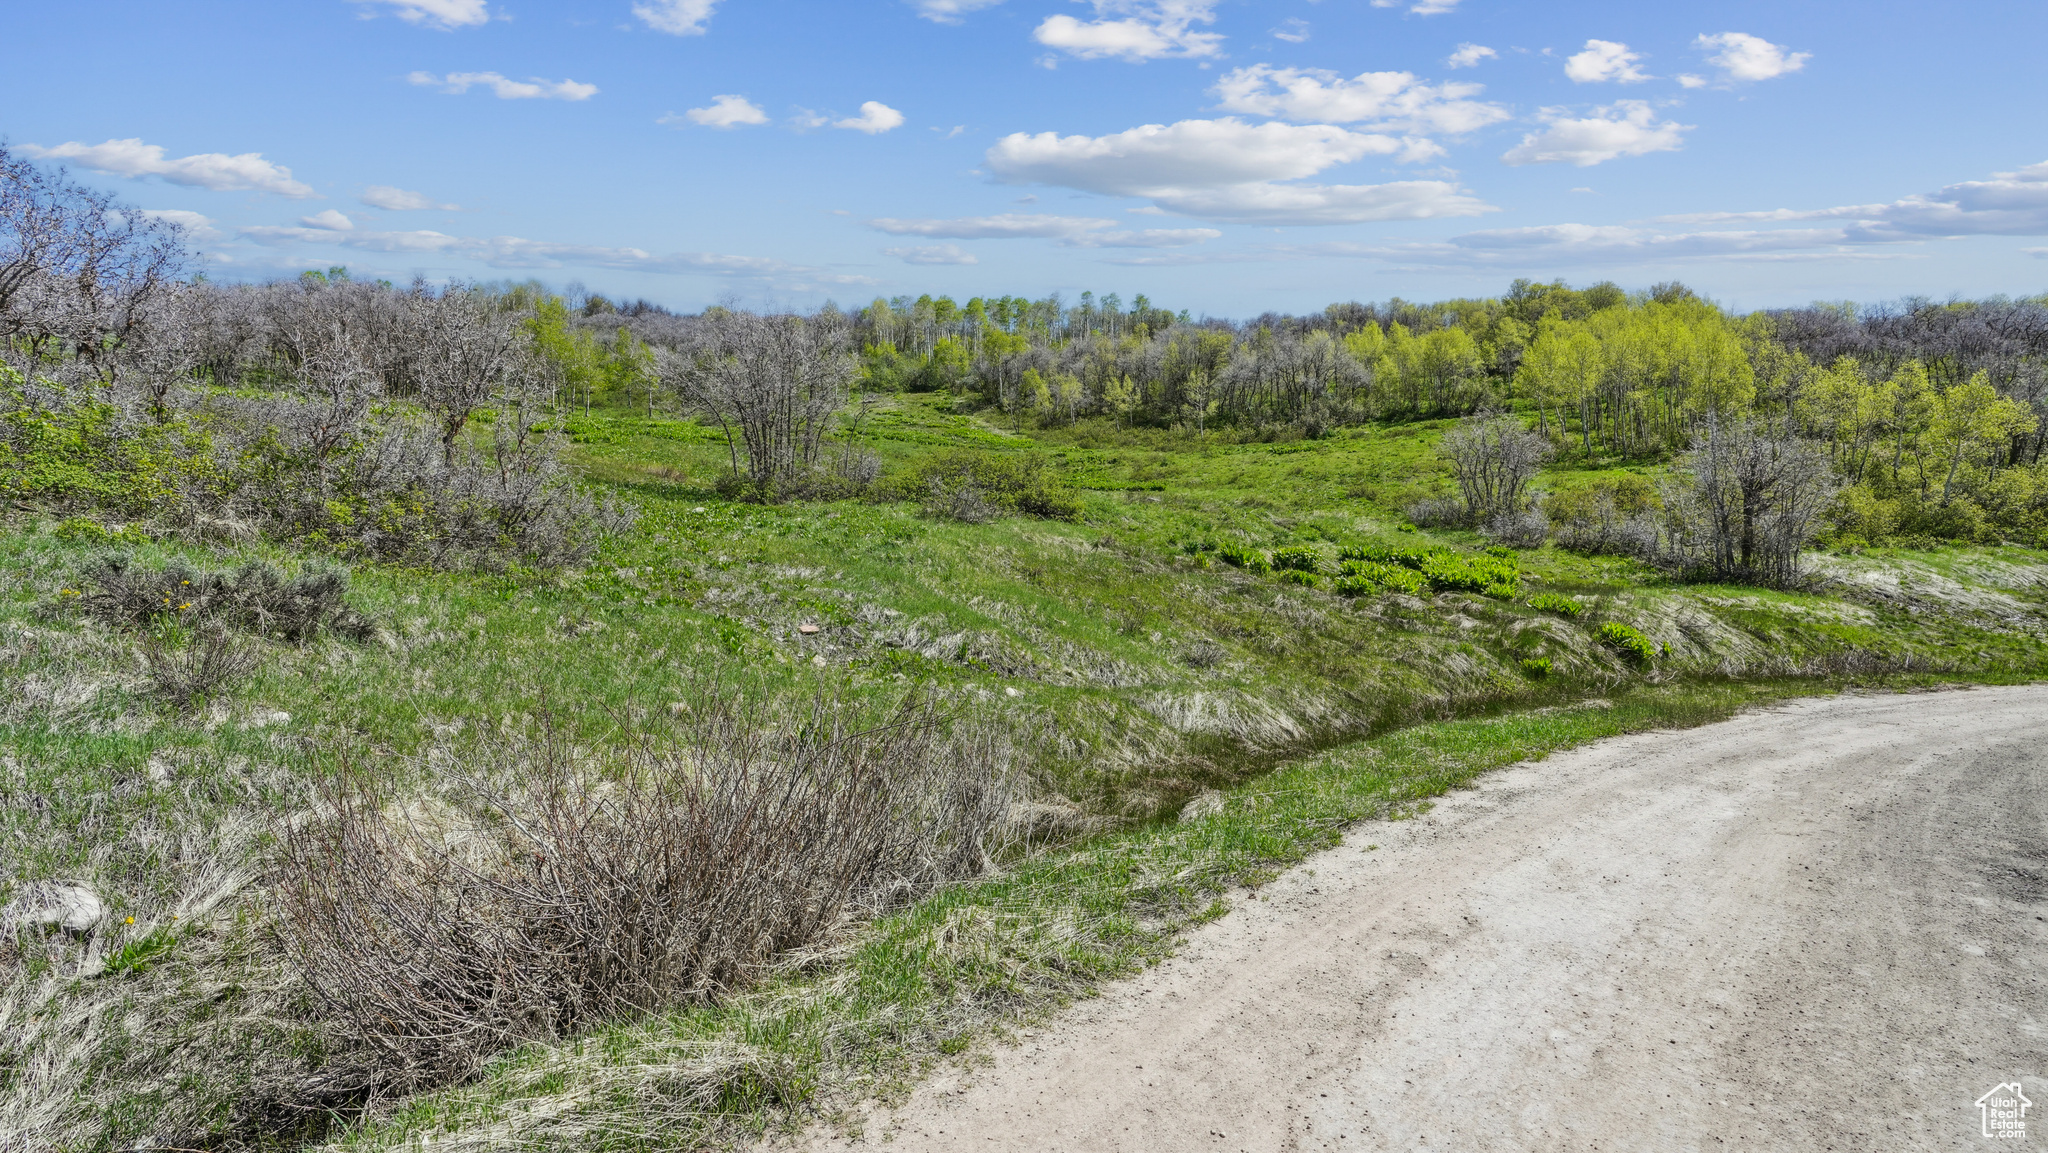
(1494, 459)
(1742, 504)
(772, 383)
(465, 353)
(77, 269)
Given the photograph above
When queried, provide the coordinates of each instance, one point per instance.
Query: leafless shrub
(773, 383)
(959, 500)
(552, 893)
(1526, 529)
(1438, 512)
(188, 669)
(1494, 459)
(255, 598)
(1743, 504)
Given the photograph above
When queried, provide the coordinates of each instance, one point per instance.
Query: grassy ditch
(866, 1014)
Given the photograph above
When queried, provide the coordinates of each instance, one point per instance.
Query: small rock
(807, 629)
(819, 660)
(1206, 803)
(1010, 691)
(66, 905)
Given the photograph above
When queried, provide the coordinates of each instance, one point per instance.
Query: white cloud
(443, 14)
(1395, 100)
(1009, 225)
(1624, 128)
(2040, 252)
(1547, 246)
(1284, 204)
(1148, 30)
(400, 200)
(1142, 238)
(534, 88)
(728, 111)
(2008, 204)
(1605, 60)
(949, 11)
(215, 170)
(1225, 169)
(676, 17)
(516, 252)
(1294, 30)
(875, 117)
(933, 254)
(196, 225)
(1688, 80)
(1746, 57)
(328, 219)
(1420, 7)
(1469, 55)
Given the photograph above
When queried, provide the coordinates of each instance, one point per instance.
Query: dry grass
(548, 892)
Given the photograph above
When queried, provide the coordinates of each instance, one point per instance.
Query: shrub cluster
(551, 893)
(1363, 577)
(1245, 557)
(255, 599)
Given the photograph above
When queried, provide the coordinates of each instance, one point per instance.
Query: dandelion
(131, 920)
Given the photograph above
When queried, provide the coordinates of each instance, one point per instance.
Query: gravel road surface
(1818, 926)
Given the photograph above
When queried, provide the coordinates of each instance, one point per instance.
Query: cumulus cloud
(875, 118)
(517, 252)
(1624, 128)
(1746, 57)
(534, 88)
(950, 11)
(197, 226)
(676, 17)
(1008, 225)
(1135, 30)
(1469, 55)
(1393, 100)
(1225, 170)
(1688, 80)
(1605, 60)
(328, 219)
(446, 15)
(728, 111)
(933, 254)
(1142, 238)
(400, 200)
(1420, 7)
(215, 170)
(2040, 252)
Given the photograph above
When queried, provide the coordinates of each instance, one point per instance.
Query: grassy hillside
(1134, 667)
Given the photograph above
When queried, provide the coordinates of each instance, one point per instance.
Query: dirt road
(1815, 927)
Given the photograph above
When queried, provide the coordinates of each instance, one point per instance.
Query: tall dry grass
(550, 891)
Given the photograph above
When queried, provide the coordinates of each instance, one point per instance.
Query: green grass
(1377, 667)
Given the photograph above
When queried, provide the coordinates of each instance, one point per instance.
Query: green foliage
(1490, 575)
(1301, 577)
(88, 453)
(136, 956)
(1535, 668)
(1362, 577)
(1245, 557)
(1558, 603)
(1305, 558)
(1632, 645)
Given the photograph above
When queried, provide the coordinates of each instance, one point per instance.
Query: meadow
(1234, 650)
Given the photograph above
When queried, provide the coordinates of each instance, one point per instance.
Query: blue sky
(1225, 157)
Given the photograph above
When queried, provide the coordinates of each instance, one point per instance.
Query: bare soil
(1819, 926)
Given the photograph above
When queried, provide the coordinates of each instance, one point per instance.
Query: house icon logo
(2003, 1112)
